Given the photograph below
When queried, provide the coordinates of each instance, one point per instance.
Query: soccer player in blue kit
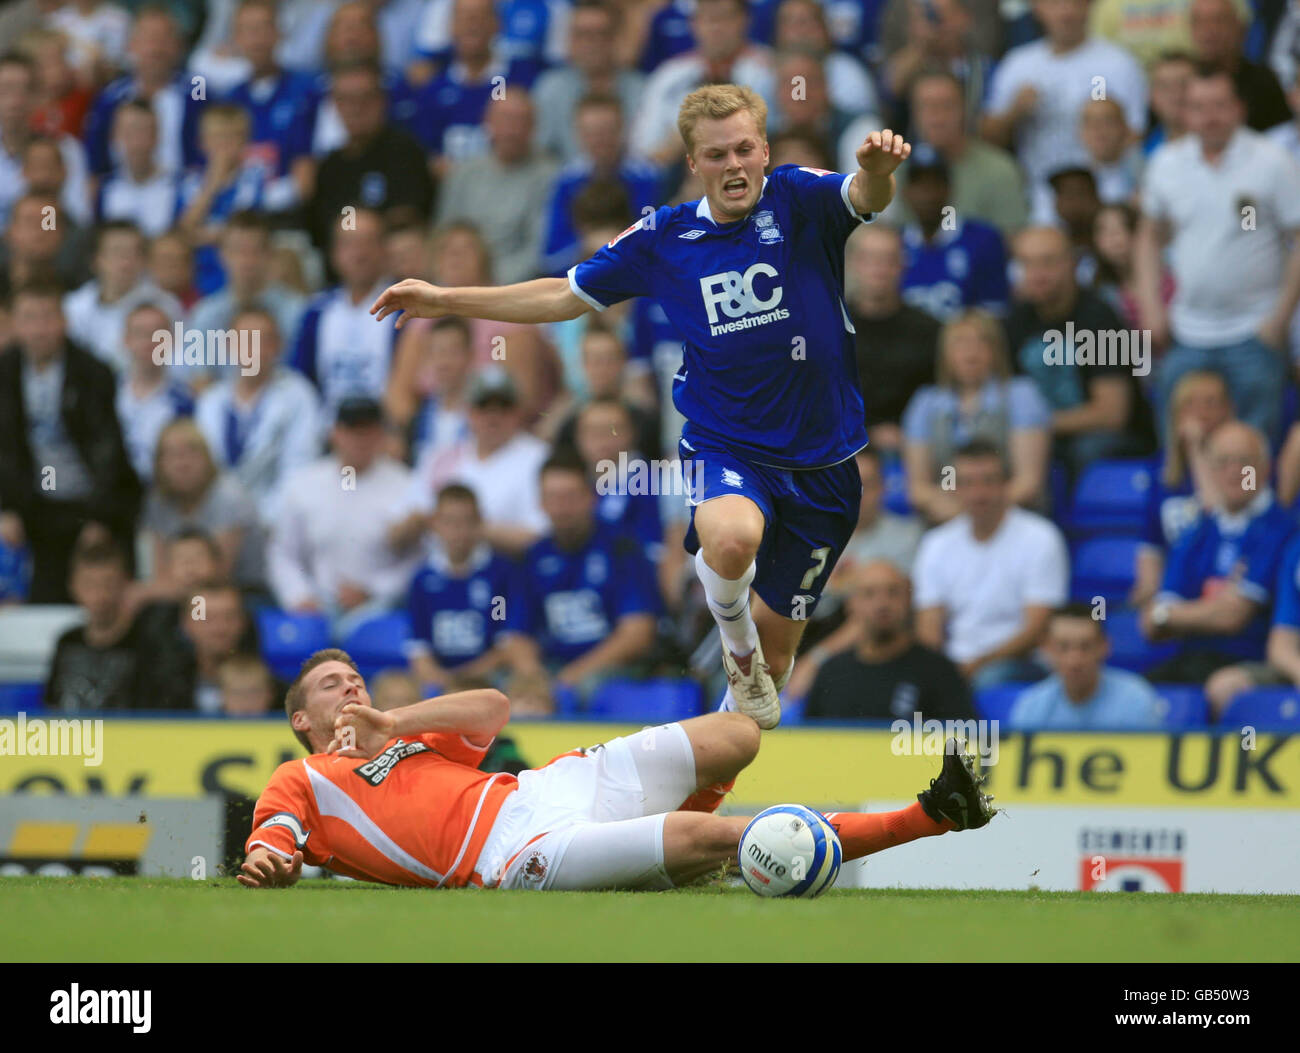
(751, 277)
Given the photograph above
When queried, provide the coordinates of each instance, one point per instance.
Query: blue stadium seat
(288, 639)
(647, 701)
(22, 698)
(792, 711)
(1129, 649)
(1104, 566)
(1265, 708)
(376, 643)
(1110, 498)
(1183, 705)
(994, 703)
(1058, 489)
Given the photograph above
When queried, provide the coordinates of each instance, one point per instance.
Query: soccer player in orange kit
(397, 797)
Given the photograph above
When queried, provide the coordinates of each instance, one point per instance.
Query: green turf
(136, 919)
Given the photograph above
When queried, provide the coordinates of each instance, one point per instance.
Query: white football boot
(750, 680)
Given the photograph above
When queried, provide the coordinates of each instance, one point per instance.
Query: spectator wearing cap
(951, 262)
(329, 548)
(584, 601)
(1083, 692)
(1218, 29)
(592, 69)
(987, 581)
(504, 192)
(1223, 199)
(896, 343)
(1221, 573)
(498, 461)
(263, 422)
(1039, 89)
(986, 183)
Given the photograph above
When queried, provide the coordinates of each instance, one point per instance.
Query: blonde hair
(990, 331)
(716, 102)
(188, 432)
(1176, 465)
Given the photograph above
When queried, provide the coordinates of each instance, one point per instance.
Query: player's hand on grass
(361, 731)
(882, 152)
(266, 869)
(416, 299)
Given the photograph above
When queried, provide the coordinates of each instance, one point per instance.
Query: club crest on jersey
(535, 867)
(377, 770)
(768, 231)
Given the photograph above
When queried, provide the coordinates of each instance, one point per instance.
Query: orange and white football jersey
(417, 813)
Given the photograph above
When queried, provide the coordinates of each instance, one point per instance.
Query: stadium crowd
(1075, 330)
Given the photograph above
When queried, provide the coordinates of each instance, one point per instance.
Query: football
(789, 850)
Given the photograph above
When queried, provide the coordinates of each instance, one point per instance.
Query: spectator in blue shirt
(584, 603)
(950, 261)
(598, 126)
(281, 103)
(1219, 581)
(1282, 668)
(1083, 692)
(458, 598)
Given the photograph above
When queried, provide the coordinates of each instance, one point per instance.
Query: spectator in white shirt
(987, 581)
(1039, 90)
(137, 190)
(329, 547)
(97, 35)
(150, 395)
(97, 311)
(264, 422)
(499, 461)
(722, 54)
(17, 105)
(1224, 200)
(435, 422)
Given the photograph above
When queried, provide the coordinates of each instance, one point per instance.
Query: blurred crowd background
(1111, 523)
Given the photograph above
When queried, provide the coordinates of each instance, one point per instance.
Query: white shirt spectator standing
(137, 191)
(1227, 202)
(149, 395)
(339, 346)
(987, 580)
(329, 549)
(263, 425)
(1039, 90)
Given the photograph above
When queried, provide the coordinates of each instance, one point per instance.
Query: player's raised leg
(730, 528)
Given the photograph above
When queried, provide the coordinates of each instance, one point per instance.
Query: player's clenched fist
(266, 869)
(881, 152)
(415, 298)
(361, 731)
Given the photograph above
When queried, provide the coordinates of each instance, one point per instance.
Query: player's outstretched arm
(540, 300)
(266, 869)
(880, 153)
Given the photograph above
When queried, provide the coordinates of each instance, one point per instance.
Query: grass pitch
(139, 919)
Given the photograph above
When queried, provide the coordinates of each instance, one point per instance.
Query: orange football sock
(862, 833)
(707, 799)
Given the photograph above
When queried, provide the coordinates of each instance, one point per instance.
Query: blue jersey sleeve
(821, 197)
(636, 589)
(523, 604)
(1287, 596)
(989, 288)
(621, 269)
(1262, 562)
(1180, 575)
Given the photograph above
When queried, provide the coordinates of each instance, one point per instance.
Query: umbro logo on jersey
(691, 235)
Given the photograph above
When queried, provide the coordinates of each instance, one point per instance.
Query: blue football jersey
(458, 618)
(962, 267)
(571, 601)
(768, 368)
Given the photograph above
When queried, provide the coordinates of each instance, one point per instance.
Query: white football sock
(729, 605)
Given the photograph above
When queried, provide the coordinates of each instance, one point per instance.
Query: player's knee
(743, 736)
(731, 549)
(712, 837)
